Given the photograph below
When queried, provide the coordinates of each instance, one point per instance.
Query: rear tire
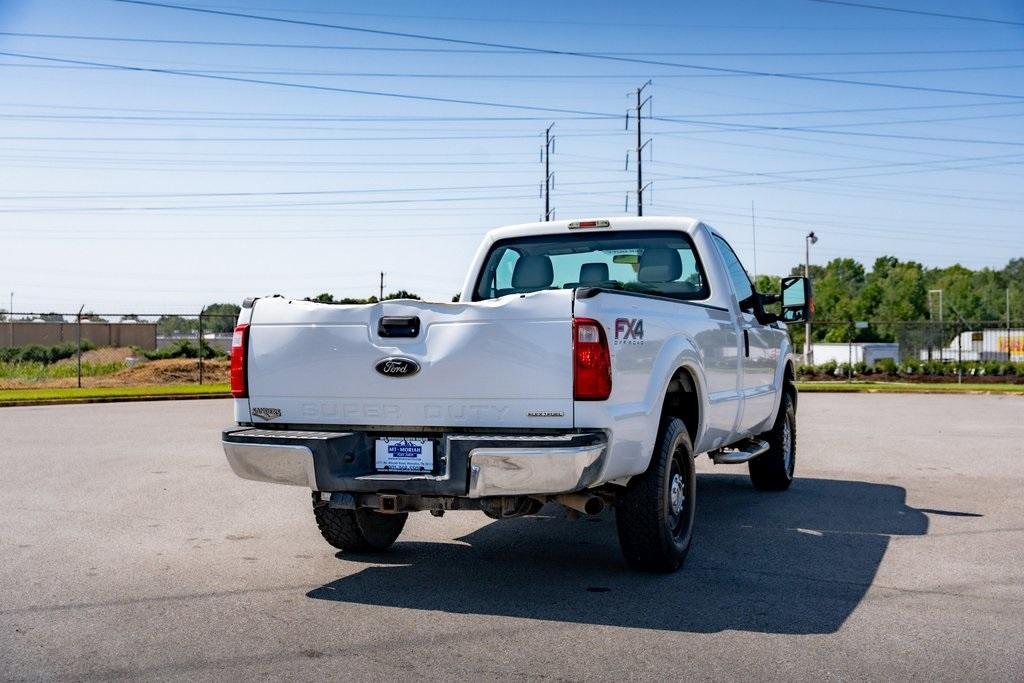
(655, 513)
(357, 531)
(773, 471)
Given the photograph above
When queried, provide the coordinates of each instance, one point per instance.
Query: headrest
(660, 264)
(592, 273)
(533, 272)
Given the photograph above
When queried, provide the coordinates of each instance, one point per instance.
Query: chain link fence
(55, 350)
(961, 350)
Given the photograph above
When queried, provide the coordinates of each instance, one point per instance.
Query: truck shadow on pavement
(797, 562)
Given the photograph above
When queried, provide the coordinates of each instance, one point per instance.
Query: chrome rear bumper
(468, 465)
(528, 471)
(277, 464)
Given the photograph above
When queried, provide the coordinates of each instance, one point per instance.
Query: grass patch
(909, 388)
(71, 394)
(41, 371)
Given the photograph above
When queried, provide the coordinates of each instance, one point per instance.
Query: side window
(737, 273)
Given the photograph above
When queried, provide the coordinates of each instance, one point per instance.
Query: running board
(740, 452)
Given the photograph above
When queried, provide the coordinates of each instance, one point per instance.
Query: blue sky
(148, 191)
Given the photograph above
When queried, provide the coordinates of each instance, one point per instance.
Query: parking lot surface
(129, 550)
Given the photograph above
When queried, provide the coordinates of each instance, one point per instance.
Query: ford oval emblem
(396, 366)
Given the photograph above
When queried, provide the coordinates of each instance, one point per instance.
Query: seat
(532, 273)
(593, 274)
(659, 264)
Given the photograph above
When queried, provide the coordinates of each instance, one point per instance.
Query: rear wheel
(359, 530)
(655, 513)
(773, 471)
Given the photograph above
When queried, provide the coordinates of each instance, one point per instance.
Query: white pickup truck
(586, 363)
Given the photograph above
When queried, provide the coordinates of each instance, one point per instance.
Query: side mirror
(797, 300)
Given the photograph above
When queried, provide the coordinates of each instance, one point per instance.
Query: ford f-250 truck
(586, 363)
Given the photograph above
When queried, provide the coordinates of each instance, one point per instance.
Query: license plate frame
(404, 455)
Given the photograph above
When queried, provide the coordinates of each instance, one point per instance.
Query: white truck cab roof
(677, 223)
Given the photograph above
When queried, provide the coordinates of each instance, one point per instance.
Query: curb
(108, 399)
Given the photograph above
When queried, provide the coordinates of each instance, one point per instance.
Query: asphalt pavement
(128, 549)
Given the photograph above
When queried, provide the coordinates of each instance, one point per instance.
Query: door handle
(396, 326)
(746, 343)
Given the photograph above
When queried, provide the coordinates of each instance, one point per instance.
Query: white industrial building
(857, 352)
(973, 345)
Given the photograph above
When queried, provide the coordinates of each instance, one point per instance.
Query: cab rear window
(651, 262)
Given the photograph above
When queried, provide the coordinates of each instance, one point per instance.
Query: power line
(119, 209)
(310, 46)
(724, 174)
(925, 13)
(568, 53)
(308, 86)
(741, 127)
(230, 116)
(531, 77)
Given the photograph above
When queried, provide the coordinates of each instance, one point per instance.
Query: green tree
(960, 292)
(837, 288)
(767, 284)
(894, 292)
(400, 294)
(176, 325)
(220, 318)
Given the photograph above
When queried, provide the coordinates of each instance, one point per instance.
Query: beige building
(23, 333)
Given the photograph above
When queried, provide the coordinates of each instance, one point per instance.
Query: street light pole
(808, 241)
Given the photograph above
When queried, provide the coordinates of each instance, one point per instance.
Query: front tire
(357, 531)
(773, 471)
(655, 513)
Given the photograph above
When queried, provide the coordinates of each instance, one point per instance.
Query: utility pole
(640, 144)
(381, 297)
(549, 143)
(10, 319)
(78, 319)
(808, 241)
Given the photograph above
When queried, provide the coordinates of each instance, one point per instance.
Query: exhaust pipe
(584, 503)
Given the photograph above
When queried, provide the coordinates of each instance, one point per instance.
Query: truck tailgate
(500, 363)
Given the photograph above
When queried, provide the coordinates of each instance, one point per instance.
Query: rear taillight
(592, 362)
(239, 348)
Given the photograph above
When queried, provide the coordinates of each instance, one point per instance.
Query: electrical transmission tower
(549, 177)
(641, 102)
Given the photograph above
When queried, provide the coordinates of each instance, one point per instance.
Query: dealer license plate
(402, 454)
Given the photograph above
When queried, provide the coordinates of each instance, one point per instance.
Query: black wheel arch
(682, 401)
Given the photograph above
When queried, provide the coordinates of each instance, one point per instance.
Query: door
(759, 351)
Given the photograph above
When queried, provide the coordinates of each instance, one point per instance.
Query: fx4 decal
(629, 331)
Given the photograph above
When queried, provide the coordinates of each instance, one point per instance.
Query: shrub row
(919, 368)
(183, 349)
(44, 355)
